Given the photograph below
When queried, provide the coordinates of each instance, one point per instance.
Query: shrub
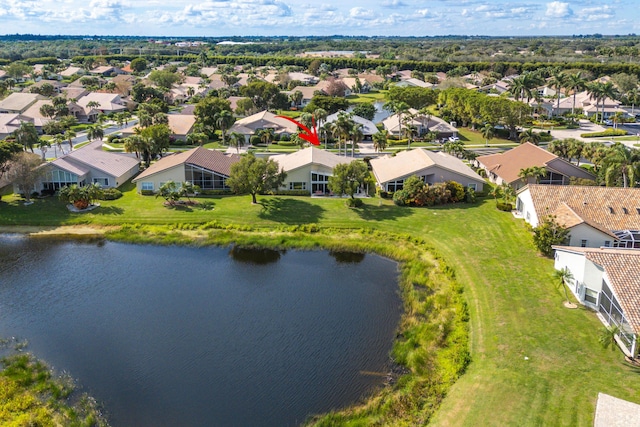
(401, 198)
(147, 192)
(290, 193)
(383, 194)
(605, 133)
(469, 195)
(110, 194)
(507, 207)
(354, 203)
(457, 191)
(285, 137)
(215, 192)
(254, 140)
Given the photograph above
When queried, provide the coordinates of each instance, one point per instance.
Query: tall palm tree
(236, 139)
(621, 163)
(58, 139)
(380, 140)
(487, 132)
(608, 91)
(43, 145)
(95, 132)
(557, 81)
(576, 83)
(224, 120)
(69, 135)
(26, 135)
(266, 136)
(399, 108)
(596, 91)
(534, 172)
(356, 136)
(342, 129)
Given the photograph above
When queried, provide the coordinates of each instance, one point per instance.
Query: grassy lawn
(533, 361)
(367, 97)
(473, 137)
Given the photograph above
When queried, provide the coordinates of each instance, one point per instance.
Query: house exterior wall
(436, 174)
(594, 238)
(569, 170)
(303, 174)
(586, 275)
(175, 174)
(524, 205)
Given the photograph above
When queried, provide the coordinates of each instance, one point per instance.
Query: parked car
(608, 122)
(454, 139)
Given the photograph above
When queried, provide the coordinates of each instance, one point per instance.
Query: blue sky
(324, 17)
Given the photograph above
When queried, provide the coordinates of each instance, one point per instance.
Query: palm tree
(564, 276)
(69, 135)
(380, 140)
(190, 91)
(575, 83)
(236, 139)
(296, 98)
(43, 144)
(48, 110)
(266, 136)
(410, 131)
(557, 81)
(398, 108)
(608, 91)
(608, 335)
(535, 172)
(342, 129)
(95, 132)
(26, 135)
(58, 139)
(487, 132)
(356, 136)
(596, 91)
(224, 120)
(617, 118)
(529, 136)
(621, 163)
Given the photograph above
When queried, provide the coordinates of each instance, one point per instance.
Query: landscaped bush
(384, 194)
(605, 133)
(110, 194)
(147, 192)
(354, 203)
(290, 193)
(254, 140)
(507, 207)
(417, 193)
(215, 192)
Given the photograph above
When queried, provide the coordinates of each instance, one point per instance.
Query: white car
(454, 139)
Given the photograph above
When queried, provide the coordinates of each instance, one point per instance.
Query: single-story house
(208, 169)
(106, 103)
(505, 167)
(87, 165)
(33, 114)
(251, 125)
(180, 124)
(9, 123)
(595, 216)
(107, 71)
(368, 127)
(309, 169)
(71, 70)
(18, 102)
(433, 167)
(608, 281)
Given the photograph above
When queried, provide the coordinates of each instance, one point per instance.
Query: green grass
(515, 309)
(473, 137)
(372, 96)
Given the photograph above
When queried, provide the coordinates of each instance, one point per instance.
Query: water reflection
(344, 257)
(255, 256)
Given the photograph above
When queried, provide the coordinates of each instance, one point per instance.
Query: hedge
(608, 132)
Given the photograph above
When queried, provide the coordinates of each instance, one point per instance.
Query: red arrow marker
(311, 136)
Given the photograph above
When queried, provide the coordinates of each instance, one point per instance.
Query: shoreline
(58, 230)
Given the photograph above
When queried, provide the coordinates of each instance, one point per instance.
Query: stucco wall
(175, 174)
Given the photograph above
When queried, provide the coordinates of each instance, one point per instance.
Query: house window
(583, 243)
(205, 178)
(473, 186)
(102, 181)
(319, 183)
(591, 296)
(147, 186)
(394, 186)
(297, 186)
(607, 243)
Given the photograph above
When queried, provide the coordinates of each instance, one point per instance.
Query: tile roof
(212, 160)
(19, 101)
(310, 155)
(263, 119)
(623, 270)
(600, 207)
(92, 155)
(368, 127)
(507, 165)
(33, 112)
(406, 163)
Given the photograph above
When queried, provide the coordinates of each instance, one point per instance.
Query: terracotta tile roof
(623, 270)
(507, 165)
(208, 159)
(600, 207)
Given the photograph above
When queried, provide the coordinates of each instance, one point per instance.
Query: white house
(433, 167)
(608, 281)
(595, 216)
(309, 169)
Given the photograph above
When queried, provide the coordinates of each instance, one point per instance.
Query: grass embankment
(31, 396)
(533, 361)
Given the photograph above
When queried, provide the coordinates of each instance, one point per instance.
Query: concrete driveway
(585, 127)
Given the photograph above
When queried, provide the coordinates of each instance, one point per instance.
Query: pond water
(166, 336)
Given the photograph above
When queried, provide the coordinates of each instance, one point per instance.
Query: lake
(166, 335)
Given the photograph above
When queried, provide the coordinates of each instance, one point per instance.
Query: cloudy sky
(322, 17)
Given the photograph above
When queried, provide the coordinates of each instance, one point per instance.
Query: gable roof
(9, 122)
(368, 127)
(92, 155)
(212, 160)
(622, 267)
(507, 165)
(407, 163)
(33, 112)
(310, 155)
(600, 207)
(263, 119)
(18, 101)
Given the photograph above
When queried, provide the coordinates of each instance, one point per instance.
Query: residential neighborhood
(495, 190)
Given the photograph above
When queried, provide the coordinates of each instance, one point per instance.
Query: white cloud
(361, 13)
(558, 9)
